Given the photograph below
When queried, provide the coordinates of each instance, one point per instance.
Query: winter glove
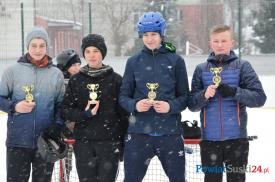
(227, 91)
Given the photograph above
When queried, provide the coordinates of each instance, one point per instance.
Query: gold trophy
(93, 92)
(216, 78)
(28, 90)
(152, 87)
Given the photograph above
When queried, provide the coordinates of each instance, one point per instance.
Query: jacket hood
(221, 58)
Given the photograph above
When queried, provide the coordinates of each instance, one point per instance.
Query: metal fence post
(90, 17)
(22, 28)
(240, 27)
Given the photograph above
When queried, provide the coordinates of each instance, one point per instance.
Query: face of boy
(93, 57)
(151, 40)
(74, 68)
(221, 43)
(37, 48)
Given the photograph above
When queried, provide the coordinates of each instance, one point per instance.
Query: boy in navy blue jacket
(154, 90)
(222, 88)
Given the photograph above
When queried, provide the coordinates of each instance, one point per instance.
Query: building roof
(194, 2)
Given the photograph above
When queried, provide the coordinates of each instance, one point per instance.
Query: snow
(260, 123)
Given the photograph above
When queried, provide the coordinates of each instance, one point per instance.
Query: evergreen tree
(264, 28)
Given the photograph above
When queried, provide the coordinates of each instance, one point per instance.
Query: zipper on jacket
(34, 111)
(220, 64)
(155, 79)
(154, 65)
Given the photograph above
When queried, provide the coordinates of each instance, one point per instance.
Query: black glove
(226, 90)
(54, 131)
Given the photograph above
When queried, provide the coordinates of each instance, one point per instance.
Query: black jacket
(111, 121)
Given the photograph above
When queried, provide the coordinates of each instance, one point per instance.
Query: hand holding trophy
(27, 105)
(94, 109)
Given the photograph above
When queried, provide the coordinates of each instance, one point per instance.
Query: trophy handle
(89, 86)
(156, 85)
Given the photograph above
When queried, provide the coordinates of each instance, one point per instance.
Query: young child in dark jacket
(222, 88)
(155, 90)
(91, 100)
(68, 61)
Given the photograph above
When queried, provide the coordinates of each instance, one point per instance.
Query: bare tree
(118, 13)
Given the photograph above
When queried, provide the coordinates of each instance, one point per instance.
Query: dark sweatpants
(233, 154)
(19, 162)
(140, 149)
(96, 161)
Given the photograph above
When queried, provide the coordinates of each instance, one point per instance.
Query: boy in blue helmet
(154, 90)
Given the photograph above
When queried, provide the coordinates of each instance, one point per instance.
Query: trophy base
(151, 101)
(93, 102)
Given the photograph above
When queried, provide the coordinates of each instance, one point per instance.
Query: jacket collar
(221, 59)
(161, 50)
(104, 70)
(24, 59)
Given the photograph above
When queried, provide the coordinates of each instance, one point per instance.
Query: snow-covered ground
(260, 123)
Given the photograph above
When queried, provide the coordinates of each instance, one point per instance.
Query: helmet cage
(51, 149)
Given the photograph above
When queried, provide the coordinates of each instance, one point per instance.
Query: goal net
(65, 170)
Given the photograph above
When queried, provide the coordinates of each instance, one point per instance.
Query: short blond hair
(219, 29)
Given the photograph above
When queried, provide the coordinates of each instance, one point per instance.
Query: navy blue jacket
(168, 70)
(24, 128)
(226, 118)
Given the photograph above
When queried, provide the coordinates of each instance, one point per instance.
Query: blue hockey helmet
(151, 22)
